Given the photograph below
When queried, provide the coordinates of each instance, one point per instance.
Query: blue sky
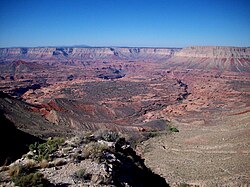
(157, 23)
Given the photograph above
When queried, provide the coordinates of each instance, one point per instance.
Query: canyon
(204, 91)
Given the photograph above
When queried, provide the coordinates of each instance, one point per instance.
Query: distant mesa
(87, 53)
(236, 59)
(214, 52)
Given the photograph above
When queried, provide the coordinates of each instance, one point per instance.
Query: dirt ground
(217, 155)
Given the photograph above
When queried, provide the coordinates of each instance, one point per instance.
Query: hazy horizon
(142, 23)
(88, 46)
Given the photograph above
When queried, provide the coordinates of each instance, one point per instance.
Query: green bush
(173, 129)
(43, 150)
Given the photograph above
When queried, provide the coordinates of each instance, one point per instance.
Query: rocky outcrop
(88, 160)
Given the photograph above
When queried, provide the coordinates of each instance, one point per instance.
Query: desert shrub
(24, 176)
(16, 169)
(93, 150)
(107, 135)
(88, 136)
(81, 175)
(43, 150)
(30, 180)
(173, 129)
(110, 136)
(44, 163)
(30, 164)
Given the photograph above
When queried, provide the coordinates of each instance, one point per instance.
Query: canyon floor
(206, 98)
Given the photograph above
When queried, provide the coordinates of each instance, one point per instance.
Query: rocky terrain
(100, 159)
(203, 91)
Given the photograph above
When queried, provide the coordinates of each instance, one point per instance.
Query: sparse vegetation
(24, 176)
(93, 150)
(118, 157)
(15, 170)
(42, 151)
(107, 135)
(31, 180)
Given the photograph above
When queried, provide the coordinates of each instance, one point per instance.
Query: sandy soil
(216, 155)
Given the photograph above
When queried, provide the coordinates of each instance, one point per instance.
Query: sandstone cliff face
(26, 52)
(235, 59)
(87, 53)
(126, 53)
(214, 52)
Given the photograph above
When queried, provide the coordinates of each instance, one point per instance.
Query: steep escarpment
(235, 59)
(214, 52)
(87, 53)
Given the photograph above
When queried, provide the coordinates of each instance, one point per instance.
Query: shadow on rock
(13, 142)
(129, 168)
